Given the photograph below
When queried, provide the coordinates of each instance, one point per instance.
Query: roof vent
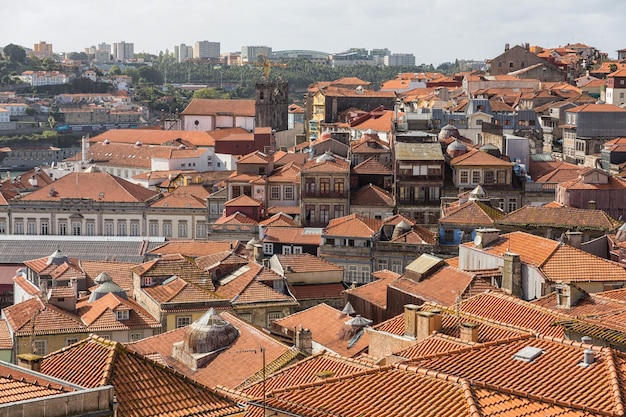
(107, 141)
(586, 340)
(588, 358)
(528, 354)
(137, 144)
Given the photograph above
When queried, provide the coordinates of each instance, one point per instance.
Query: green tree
(613, 67)
(210, 93)
(15, 53)
(115, 70)
(151, 75)
(79, 56)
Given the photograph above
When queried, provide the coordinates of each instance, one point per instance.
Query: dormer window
(122, 314)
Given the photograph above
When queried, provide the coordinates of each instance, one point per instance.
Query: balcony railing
(322, 194)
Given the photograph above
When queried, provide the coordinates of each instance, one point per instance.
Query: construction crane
(267, 64)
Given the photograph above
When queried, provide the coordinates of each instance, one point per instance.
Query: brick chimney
(469, 332)
(304, 340)
(512, 274)
(427, 323)
(30, 361)
(485, 236)
(574, 239)
(410, 320)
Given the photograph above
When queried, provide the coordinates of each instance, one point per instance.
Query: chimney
(304, 340)
(586, 340)
(527, 46)
(485, 236)
(512, 274)
(30, 361)
(410, 320)
(506, 47)
(258, 252)
(591, 205)
(469, 332)
(574, 239)
(427, 323)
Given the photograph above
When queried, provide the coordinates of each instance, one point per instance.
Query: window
(121, 228)
(489, 177)
(76, 228)
(122, 314)
(182, 229)
(19, 227)
(352, 273)
(213, 208)
(247, 190)
(71, 341)
(201, 230)
(91, 229)
(146, 282)
(288, 192)
(154, 228)
(297, 250)
(476, 177)
(512, 205)
(182, 321)
(274, 193)
(134, 337)
(330, 241)
(511, 64)
(268, 248)
(41, 347)
(382, 264)
(31, 227)
(324, 213)
(365, 273)
(309, 186)
(286, 250)
(274, 315)
(396, 266)
(324, 186)
(309, 212)
(246, 316)
(3, 227)
(134, 228)
(108, 228)
(501, 177)
(479, 122)
(167, 229)
(338, 186)
(63, 228)
(464, 177)
(433, 194)
(448, 236)
(338, 211)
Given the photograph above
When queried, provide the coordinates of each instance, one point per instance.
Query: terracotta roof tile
(371, 167)
(581, 219)
(18, 385)
(49, 319)
(472, 213)
(194, 248)
(96, 362)
(279, 220)
(317, 291)
(375, 292)
(475, 157)
(372, 196)
(230, 367)
(306, 262)
(353, 225)
(155, 137)
(326, 324)
(207, 107)
(97, 186)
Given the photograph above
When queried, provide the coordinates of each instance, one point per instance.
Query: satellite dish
(478, 240)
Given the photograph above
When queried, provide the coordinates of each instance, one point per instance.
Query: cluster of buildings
(441, 246)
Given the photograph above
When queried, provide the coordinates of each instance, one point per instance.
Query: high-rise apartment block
(123, 51)
(206, 50)
(183, 52)
(251, 54)
(43, 50)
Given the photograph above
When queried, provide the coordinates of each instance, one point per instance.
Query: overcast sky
(435, 31)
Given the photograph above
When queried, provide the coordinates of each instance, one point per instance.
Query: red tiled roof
(353, 225)
(472, 213)
(97, 186)
(194, 247)
(372, 196)
(326, 324)
(475, 157)
(581, 219)
(371, 167)
(155, 137)
(205, 107)
(230, 367)
(375, 292)
(306, 262)
(95, 362)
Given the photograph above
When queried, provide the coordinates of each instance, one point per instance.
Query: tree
(151, 75)
(15, 53)
(613, 67)
(79, 56)
(115, 70)
(210, 93)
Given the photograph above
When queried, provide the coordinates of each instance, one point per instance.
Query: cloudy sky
(435, 31)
